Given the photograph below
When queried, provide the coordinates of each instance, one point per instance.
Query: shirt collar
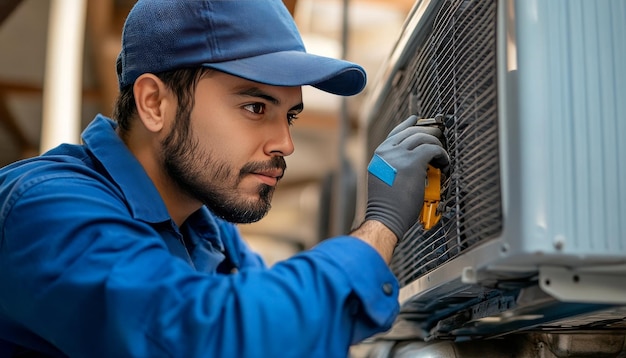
(142, 196)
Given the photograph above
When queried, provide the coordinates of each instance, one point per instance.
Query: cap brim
(296, 68)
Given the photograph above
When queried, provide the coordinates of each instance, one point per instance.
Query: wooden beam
(20, 88)
(104, 35)
(404, 5)
(26, 148)
(291, 5)
(6, 8)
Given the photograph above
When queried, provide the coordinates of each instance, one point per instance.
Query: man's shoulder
(62, 169)
(66, 160)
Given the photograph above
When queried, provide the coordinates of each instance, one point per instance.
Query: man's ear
(151, 101)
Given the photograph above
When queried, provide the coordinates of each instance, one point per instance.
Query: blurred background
(57, 70)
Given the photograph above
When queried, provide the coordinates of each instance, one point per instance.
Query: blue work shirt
(92, 265)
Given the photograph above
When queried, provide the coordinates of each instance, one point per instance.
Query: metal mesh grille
(453, 72)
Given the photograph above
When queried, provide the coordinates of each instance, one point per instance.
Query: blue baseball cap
(252, 39)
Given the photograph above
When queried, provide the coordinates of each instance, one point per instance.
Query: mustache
(255, 167)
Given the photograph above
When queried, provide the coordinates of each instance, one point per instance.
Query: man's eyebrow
(259, 93)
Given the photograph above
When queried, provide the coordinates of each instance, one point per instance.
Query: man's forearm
(378, 236)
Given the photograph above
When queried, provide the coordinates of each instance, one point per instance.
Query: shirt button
(387, 288)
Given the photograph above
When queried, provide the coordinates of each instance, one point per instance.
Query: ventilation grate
(453, 72)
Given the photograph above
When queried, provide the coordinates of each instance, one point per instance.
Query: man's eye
(258, 108)
(291, 118)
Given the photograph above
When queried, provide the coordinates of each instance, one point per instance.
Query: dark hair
(181, 81)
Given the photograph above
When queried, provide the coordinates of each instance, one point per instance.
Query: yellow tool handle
(429, 216)
(432, 196)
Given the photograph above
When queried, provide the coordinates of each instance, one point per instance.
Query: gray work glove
(397, 174)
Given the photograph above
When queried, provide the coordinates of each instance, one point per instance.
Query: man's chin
(246, 209)
(243, 216)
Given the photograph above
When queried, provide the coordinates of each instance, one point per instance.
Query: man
(125, 246)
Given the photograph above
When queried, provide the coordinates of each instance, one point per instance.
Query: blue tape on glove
(382, 170)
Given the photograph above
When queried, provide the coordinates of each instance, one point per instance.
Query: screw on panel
(504, 248)
(559, 242)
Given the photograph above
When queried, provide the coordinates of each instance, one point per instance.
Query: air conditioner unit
(533, 226)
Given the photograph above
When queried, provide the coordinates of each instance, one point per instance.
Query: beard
(214, 182)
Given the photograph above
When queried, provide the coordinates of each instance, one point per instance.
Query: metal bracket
(572, 285)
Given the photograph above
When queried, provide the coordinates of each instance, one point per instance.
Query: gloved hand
(397, 174)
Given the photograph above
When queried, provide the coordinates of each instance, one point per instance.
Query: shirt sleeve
(80, 273)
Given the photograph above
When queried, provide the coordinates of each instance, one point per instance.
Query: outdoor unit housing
(533, 227)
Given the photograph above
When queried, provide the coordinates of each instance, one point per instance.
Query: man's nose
(280, 142)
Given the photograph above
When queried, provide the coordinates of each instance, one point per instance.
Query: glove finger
(400, 137)
(433, 131)
(441, 161)
(409, 122)
(414, 139)
(433, 154)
